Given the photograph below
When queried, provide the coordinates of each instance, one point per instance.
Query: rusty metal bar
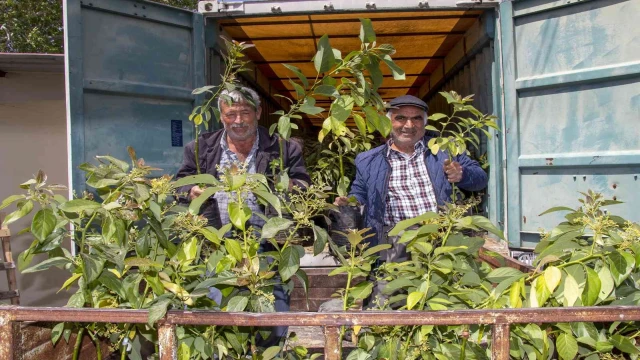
(58, 314)
(332, 343)
(392, 318)
(364, 318)
(500, 341)
(167, 342)
(6, 335)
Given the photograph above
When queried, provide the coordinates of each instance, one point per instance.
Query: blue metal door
(131, 67)
(571, 72)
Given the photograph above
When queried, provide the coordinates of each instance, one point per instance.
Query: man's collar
(418, 147)
(225, 145)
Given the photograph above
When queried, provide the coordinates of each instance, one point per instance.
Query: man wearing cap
(403, 179)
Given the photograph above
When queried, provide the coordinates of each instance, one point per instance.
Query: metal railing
(499, 320)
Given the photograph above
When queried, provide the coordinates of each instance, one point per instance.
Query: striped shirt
(227, 159)
(410, 192)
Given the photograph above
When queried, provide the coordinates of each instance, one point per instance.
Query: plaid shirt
(226, 160)
(410, 190)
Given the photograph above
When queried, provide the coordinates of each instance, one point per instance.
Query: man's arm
(474, 178)
(187, 168)
(295, 163)
(359, 187)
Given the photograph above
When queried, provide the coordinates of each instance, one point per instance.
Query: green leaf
(342, 107)
(567, 346)
(413, 299)
(202, 179)
(423, 247)
(361, 291)
(375, 249)
(239, 214)
(539, 292)
(572, 290)
(557, 208)
(308, 107)
(500, 274)
(11, 199)
(269, 199)
(199, 344)
(320, 239)
(552, 276)
(159, 308)
(112, 282)
(484, 223)
(592, 288)
(56, 261)
(97, 182)
(237, 303)
(604, 346)
(70, 281)
(274, 225)
(122, 165)
(23, 210)
(44, 221)
(620, 264)
(396, 71)
(404, 224)
(367, 35)
(324, 59)
(289, 263)
(92, 267)
(624, 344)
(358, 354)
(298, 73)
(79, 205)
(56, 333)
(326, 90)
(304, 279)
(270, 353)
(233, 248)
(606, 283)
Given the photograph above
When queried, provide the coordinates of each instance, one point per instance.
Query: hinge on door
(220, 6)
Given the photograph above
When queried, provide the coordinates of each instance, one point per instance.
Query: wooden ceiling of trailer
(422, 39)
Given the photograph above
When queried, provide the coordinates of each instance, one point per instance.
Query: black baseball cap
(407, 100)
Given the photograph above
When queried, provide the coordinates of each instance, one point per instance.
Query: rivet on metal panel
(208, 7)
(329, 7)
(524, 219)
(276, 9)
(615, 198)
(635, 177)
(549, 161)
(574, 178)
(614, 186)
(423, 4)
(371, 6)
(584, 178)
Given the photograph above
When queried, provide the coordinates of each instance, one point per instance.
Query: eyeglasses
(416, 120)
(246, 114)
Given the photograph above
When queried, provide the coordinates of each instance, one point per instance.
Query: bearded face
(240, 120)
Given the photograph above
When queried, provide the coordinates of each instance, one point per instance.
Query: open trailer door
(572, 108)
(131, 67)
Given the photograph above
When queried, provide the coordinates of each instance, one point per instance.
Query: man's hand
(195, 192)
(454, 170)
(341, 201)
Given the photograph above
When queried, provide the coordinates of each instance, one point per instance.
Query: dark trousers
(397, 253)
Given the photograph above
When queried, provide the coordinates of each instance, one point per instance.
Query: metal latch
(220, 6)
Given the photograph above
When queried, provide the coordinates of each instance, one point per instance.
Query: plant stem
(96, 341)
(78, 345)
(84, 231)
(281, 145)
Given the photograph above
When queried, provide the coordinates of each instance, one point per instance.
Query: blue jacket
(372, 181)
